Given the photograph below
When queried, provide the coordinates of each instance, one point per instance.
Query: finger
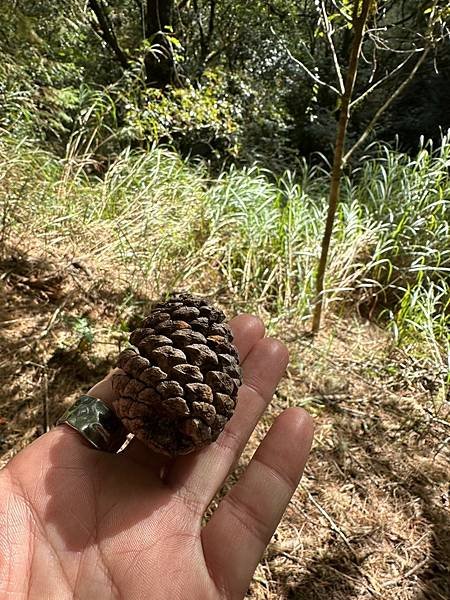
(103, 390)
(246, 331)
(200, 476)
(240, 529)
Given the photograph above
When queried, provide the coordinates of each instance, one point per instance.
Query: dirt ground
(371, 518)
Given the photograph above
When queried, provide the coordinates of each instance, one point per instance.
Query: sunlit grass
(161, 223)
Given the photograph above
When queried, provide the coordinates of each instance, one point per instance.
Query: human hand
(76, 522)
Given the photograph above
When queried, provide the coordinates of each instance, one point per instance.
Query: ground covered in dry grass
(371, 518)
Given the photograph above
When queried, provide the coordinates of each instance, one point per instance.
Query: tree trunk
(159, 62)
(106, 32)
(359, 22)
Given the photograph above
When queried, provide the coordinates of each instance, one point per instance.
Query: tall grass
(409, 270)
(159, 222)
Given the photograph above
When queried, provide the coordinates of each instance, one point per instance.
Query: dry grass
(371, 519)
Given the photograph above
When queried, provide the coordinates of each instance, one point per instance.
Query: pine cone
(178, 385)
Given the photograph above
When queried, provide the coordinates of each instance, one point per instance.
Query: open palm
(79, 523)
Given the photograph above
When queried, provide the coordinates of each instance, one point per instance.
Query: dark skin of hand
(79, 523)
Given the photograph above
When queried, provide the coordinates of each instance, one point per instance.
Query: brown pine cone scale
(177, 386)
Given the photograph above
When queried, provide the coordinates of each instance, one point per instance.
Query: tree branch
(386, 105)
(203, 47)
(341, 12)
(310, 74)
(327, 27)
(430, 40)
(381, 81)
(106, 31)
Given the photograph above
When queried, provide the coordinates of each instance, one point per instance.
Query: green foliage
(200, 119)
(44, 66)
(159, 223)
(83, 332)
(237, 89)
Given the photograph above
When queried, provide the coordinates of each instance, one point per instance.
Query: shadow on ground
(387, 460)
(44, 361)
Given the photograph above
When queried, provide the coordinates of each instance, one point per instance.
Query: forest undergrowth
(160, 223)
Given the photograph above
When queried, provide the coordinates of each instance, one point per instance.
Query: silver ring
(96, 422)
